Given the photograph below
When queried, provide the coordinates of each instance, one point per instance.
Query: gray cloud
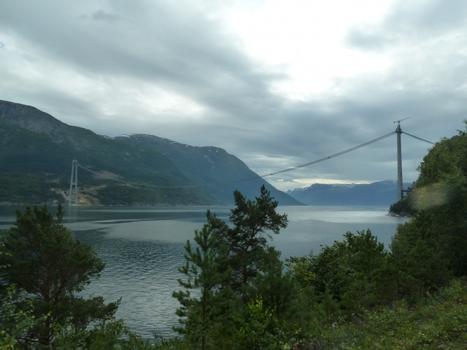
(183, 51)
(411, 21)
(428, 17)
(101, 15)
(368, 38)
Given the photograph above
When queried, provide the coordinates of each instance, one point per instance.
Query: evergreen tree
(249, 253)
(230, 268)
(41, 257)
(205, 273)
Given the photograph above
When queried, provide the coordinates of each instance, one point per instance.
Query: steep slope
(212, 168)
(36, 152)
(376, 193)
(91, 149)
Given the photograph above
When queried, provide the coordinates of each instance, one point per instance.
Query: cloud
(177, 70)
(101, 15)
(427, 17)
(411, 22)
(182, 52)
(368, 39)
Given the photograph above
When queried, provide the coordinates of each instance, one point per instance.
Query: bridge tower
(400, 182)
(73, 192)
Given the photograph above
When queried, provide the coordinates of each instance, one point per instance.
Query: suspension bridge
(73, 193)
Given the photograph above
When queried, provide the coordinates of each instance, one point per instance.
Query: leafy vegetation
(435, 322)
(437, 233)
(355, 273)
(16, 318)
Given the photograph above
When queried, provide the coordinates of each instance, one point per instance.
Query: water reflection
(144, 274)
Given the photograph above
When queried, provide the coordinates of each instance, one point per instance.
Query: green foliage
(435, 322)
(16, 318)
(205, 272)
(259, 329)
(403, 207)
(418, 254)
(230, 268)
(237, 294)
(432, 247)
(40, 257)
(249, 253)
(106, 335)
(443, 172)
(446, 160)
(354, 272)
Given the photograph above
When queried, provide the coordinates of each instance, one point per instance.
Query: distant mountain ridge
(382, 193)
(36, 150)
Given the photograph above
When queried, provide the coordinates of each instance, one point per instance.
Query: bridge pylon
(400, 182)
(73, 193)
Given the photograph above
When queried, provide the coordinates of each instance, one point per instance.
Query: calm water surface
(143, 248)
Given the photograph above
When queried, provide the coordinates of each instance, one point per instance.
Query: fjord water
(143, 249)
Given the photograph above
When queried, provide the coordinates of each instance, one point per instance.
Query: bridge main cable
(348, 150)
(418, 138)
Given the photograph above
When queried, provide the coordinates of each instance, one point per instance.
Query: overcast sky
(276, 83)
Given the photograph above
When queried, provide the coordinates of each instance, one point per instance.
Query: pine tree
(205, 272)
(228, 268)
(41, 257)
(253, 222)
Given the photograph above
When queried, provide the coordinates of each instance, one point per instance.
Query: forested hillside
(36, 151)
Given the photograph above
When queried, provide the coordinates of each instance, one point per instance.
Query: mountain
(36, 151)
(377, 193)
(212, 168)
